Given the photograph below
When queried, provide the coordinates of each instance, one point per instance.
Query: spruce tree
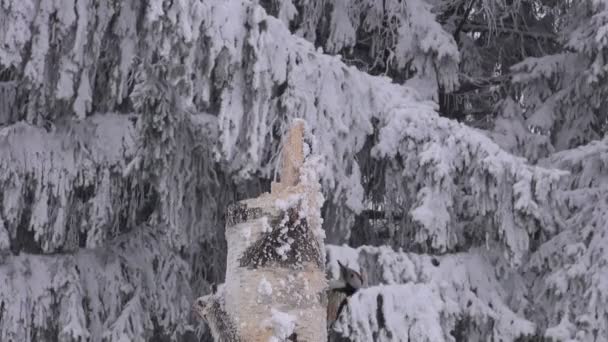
(463, 146)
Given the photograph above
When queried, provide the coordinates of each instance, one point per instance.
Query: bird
(341, 289)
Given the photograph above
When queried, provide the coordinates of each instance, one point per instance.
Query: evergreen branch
(473, 27)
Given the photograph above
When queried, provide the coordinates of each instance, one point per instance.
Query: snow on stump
(275, 277)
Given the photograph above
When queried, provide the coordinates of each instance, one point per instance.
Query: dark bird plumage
(340, 290)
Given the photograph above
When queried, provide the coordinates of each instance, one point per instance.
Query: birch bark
(275, 277)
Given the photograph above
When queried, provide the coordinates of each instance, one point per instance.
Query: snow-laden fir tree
(129, 126)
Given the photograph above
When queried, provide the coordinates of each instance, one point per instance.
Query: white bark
(275, 279)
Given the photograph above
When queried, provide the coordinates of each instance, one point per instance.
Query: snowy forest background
(464, 147)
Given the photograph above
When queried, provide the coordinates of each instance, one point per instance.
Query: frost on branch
(457, 183)
(76, 187)
(133, 287)
(570, 286)
(402, 36)
(62, 189)
(427, 298)
(244, 68)
(566, 92)
(230, 59)
(480, 185)
(512, 132)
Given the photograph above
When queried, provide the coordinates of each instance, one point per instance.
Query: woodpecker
(340, 290)
(352, 280)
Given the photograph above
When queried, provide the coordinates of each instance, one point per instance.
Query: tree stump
(275, 277)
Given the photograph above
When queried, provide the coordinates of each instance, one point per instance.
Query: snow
(282, 324)
(408, 312)
(561, 332)
(511, 132)
(154, 10)
(82, 104)
(246, 232)
(55, 161)
(342, 32)
(287, 12)
(310, 178)
(424, 296)
(19, 16)
(266, 227)
(570, 267)
(291, 201)
(77, 184)
(283, 250)
(265, 288)
(325, 93)
(4, 240)
(31, 286)
(338, 103)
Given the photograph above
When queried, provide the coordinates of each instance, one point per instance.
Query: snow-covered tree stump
(275, 277)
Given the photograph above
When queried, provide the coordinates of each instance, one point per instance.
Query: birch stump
(275, 277)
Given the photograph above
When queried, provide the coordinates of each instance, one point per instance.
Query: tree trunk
(275, 277)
